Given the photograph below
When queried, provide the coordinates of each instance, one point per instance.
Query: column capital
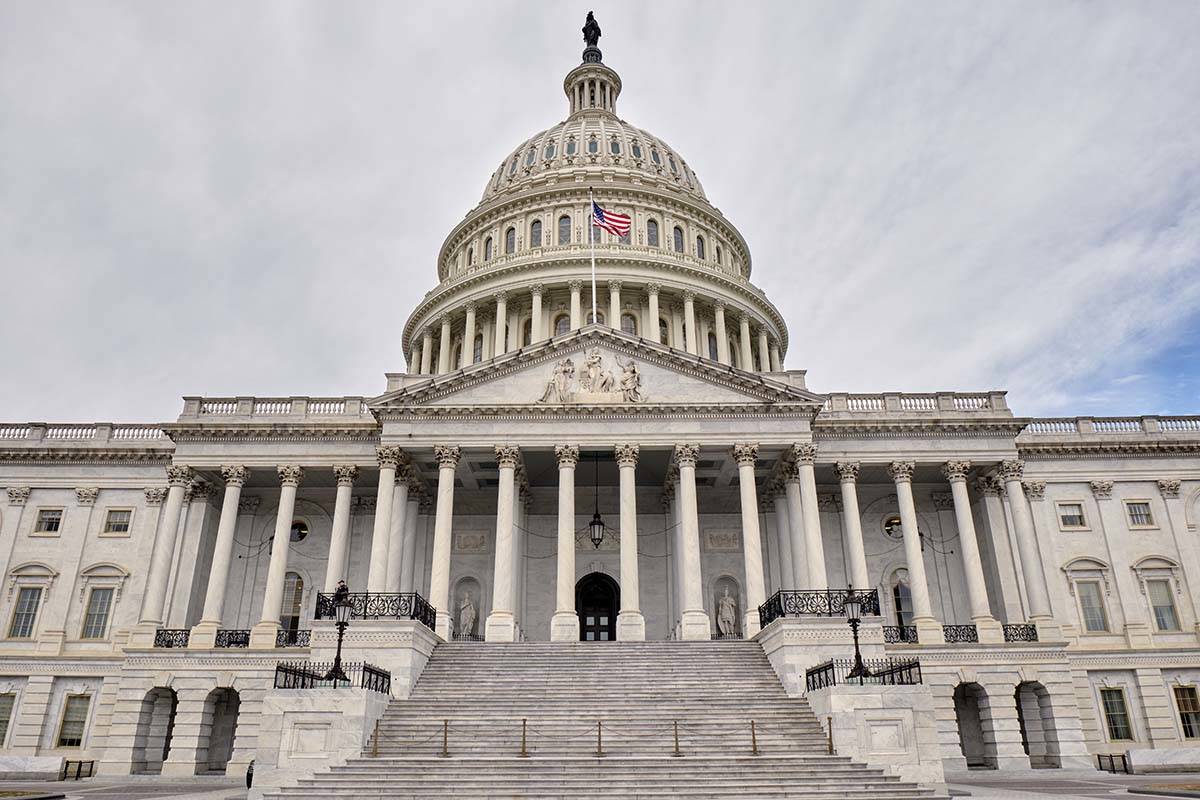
(444, 319)
(1012, 470)
(575, 286)
(902, 471)
(199, 490)
(614, 285)
(744, 319)
(389, 455)
(745, 454)
(345, 474)
(1102, 489)
(626, 454)
(500, 296)
(507, 456)
(789, 472)
(688, 296)
(989, 485)
(956, 470)
(537, 289)
(179, 475)
(1169, 488)
(719, 305)
(290, 474)
(567, 455)
(805, 453)
(447, 455)
(1035, 490)
(469, 307)
(86, 495)
(248, 505)
(686, 455)
(652, 289)
(234, 474)
(154, 495)
(847, 471)
(943, 501)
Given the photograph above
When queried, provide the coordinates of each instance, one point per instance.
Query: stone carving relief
(592, 383)
(722, 542)
(470, 542)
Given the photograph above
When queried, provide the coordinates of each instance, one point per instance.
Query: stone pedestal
(564, 627)
(204, 636)
(694, 626)
(401, 646)
(631, 627)
(796, 644)
(501, 626)
(263, 635)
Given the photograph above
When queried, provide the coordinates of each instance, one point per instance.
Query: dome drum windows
(614, 146)
(629, 324)
(636, 150)
(571, 146)
(593, 146)
(510, 241)
(548, 153)
(700, 247)
(655, 157)
(535, 233)
(564, 229)
(530, 157)
(678, 239)
(512, 168)
(562, 324)
(652, 232)
(487, 249)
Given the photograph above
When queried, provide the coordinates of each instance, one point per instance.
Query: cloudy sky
(248, 198)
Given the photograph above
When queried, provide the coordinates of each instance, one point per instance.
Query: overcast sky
(248, 198)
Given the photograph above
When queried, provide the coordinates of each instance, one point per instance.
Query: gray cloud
(249, 198)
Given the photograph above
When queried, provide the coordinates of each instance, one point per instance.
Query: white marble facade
(716, 469)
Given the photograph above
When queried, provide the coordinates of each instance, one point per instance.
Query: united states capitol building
(648, 480)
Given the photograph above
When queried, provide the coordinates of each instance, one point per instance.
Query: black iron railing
(1024, 632)
(900, 634)
(378, 605)
(290, 638)
(882, 671)
(1114, 762)
(233, 638)
(721, 636)
(172, 637)
(815, 603)
(466, 637)
(956, 634)
(313, 675)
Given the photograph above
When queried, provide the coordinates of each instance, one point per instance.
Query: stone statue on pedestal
(591, 31)
(727, 614)
(466, 615)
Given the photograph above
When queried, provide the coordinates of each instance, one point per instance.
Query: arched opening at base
(597, 601)
(218, 730)
(973, 715)
(152, 737)
(1036, 718)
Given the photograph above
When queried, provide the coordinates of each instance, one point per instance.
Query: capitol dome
(517, 269)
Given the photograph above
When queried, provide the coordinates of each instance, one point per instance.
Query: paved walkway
(149, 787)
(1037, 784)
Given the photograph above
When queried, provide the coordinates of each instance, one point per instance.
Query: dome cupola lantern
(592, 86)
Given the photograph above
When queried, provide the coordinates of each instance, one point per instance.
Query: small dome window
(470, 256)
(530, 157)
(593, 145)
(719, 254)
(477, 349)
(700, 247)
(655, 157)
(564, 229)
(512, 168)
(671, 161)
(562, 324)
(535, 233)
(527, 333)
(712, 345)
(664, 331)
(629, 324)
(678, 241)
(652, 232)
(636, 149)
(487, 249)
(571, 146)
(299, 531)
(597, 317)
(510, 241)
(549, 151)
(614, 146)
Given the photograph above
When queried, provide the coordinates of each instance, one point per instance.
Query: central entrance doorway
(597, 600)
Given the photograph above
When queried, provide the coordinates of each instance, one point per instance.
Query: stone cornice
(367, 432)
(932, 428)
(531, 412)
(77, 455)
(1043, 451)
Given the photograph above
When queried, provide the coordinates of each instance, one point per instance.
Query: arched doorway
(218, 730)
(152, 737)
(972, 713)
(597, 600)
(1036, 719)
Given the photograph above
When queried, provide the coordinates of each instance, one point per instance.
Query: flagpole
(592, 239)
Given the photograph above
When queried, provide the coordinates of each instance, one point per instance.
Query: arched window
(903, 600)
(549, 151)
(513, 166)
(629, 324)
(535, 233)
(652, 232)
(564, 229)
(664, 332)
(655, 157)
(530, 156)
(593, 145)
(470, 256)
(527, 333)
(636, 149)
(671, 161)
(510, 241)
(735, 355)
(571, 146)
(700, 247)
(712, 346)
(487, 249)
(456, 358)
(477, 350)
(614, 146)
(591, 318)
(719, 254)
(678, 240)
(562, 324)
(293, 602)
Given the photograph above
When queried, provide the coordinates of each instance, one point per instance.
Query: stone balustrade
(844, 404)
(1075, 427)
(42, 434)
(274, 408)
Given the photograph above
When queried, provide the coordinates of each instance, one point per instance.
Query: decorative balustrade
(1111, 426)
(136, 432)
(919, 403)
(1023, 632)
(14, 431)
(273, 407)
(958, 634)
(815, 602)
(313, 675)
(233, 638)
(379, 605)
(97, 432)
(72, 432)
(881, 671)
(304, 407)
(1179, 424)
(900, 634)
(172, 637)
(285, 637)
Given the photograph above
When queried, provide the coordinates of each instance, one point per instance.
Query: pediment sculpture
(592, 383)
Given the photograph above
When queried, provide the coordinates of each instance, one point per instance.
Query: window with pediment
(1160, 581)
(1089, 580)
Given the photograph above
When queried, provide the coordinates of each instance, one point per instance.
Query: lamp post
(341, 611)
(854, 617)
(596, 526)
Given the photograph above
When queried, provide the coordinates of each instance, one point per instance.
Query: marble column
(339, 540)
(564, 625)
(408, 558)
(776, 360)
(614, 311)
(467, 357)
(856, 553)
(263, 634)
(204, 634)
(928, 629)
(694, 623)
(444, 346)
(395, 553)
(671, 507)
(689, 323)
(501, 345)
(764, 352)
(389, 461)
(783, 535)
(537, 330)
(814, 545)
(439, 575)
(1011, 473)
(651, 334)
(178, 479)
(720, 333)
(576, 288)
(746, 455)
(795, 515)
(427, 352)
(988, 627)
(501, 622)
(747, 357)
(631, 625)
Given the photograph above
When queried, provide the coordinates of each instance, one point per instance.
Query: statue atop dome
(591, 35)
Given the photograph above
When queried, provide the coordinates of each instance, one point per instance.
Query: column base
(695, 627)
(631, 627)
(989, 629)
(501, 626)
(142, 635)
(263, 634)
(204, 636)
(564, 627)
(929, 631)
(1048, 628)
(750, 624)
(442, 626)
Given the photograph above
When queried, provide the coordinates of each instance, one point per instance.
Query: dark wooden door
(597, 602)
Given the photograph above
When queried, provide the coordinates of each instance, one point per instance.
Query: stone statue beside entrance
(467, 615)
(727, 614)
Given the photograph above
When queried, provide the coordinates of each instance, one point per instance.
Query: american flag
(611, 221)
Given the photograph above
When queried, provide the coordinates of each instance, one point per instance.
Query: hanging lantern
(596, 530)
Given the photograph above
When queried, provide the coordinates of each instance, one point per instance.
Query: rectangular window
(117, 520)
(6, 708)
(1139, 514)
(95, 620)
(1091, 606)
(49, 520)
(74, 719)
(1116, 715)
(25, 613)
(1165, 618)
(1070, 515)
(1189, 711)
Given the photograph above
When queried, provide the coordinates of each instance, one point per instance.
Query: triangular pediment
(597, 368)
